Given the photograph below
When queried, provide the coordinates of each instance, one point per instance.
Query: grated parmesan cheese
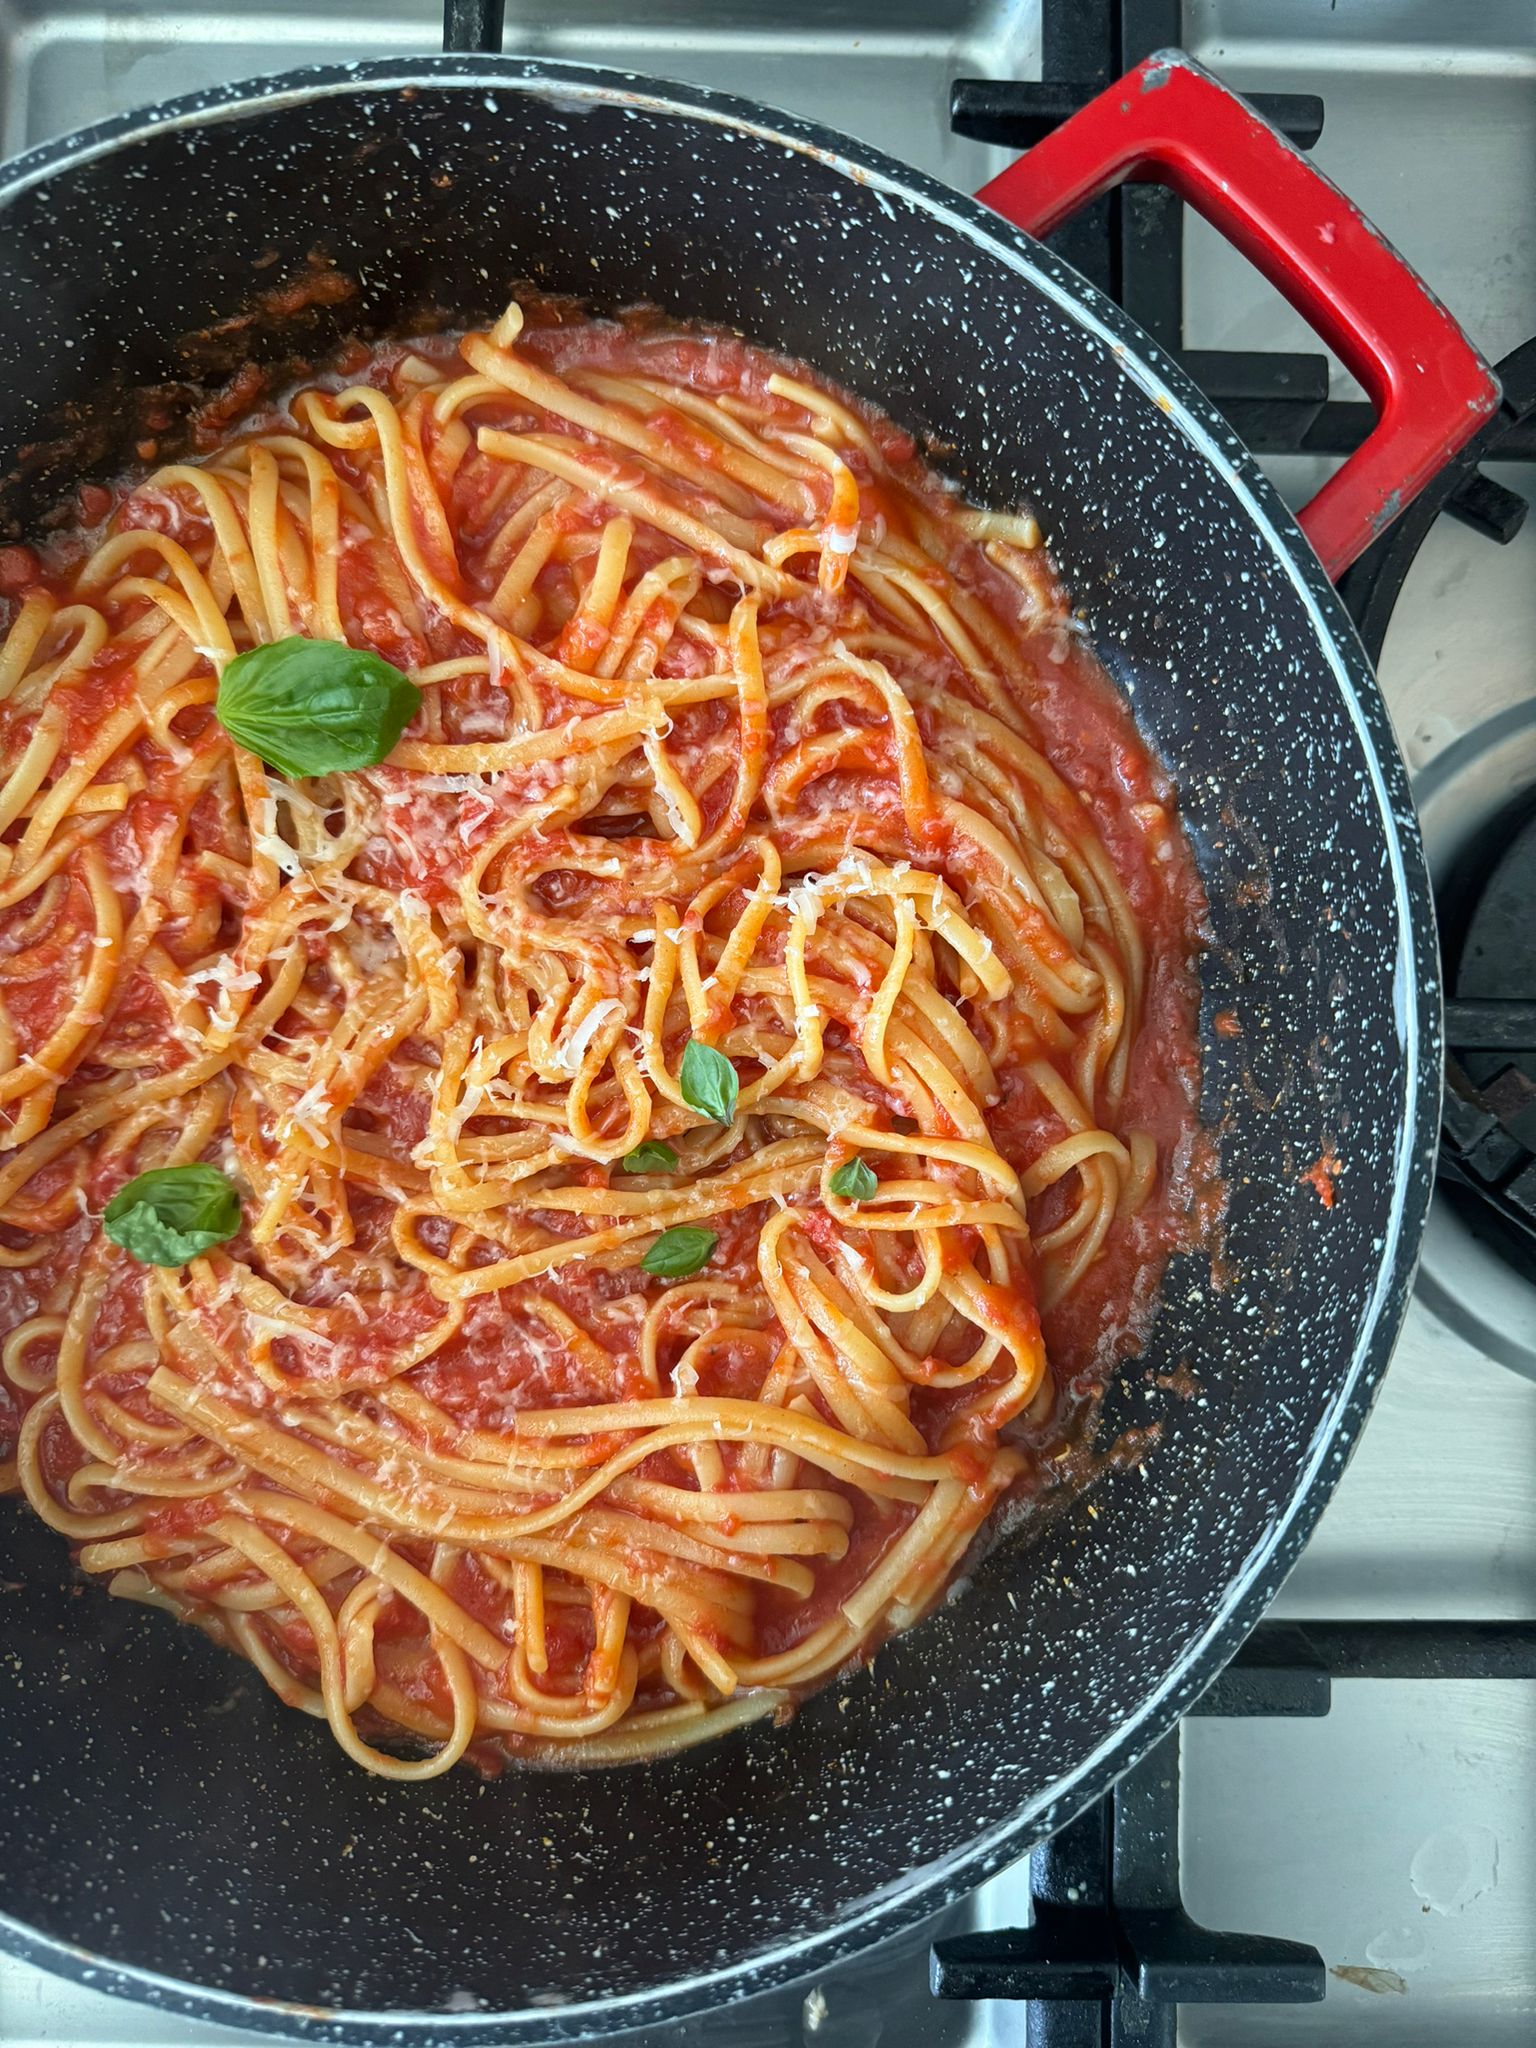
(574, 1048)
(674, 816)
(372, 948)
(298, 801)
(223, 973)
(229, 981)
(266, 841)
(314, 1102)
(260, 1324)
(853, 875)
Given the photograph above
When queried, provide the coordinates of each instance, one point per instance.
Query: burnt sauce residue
(283, 334)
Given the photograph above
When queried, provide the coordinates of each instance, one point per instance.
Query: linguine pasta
(737, 732)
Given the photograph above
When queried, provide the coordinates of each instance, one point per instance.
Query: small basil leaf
(708, 1081)
(313, 707)
(856, 1180)
(680, 1251)
(651, 1157)
(172, 1214)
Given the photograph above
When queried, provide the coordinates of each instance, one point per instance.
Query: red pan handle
(1171, 122)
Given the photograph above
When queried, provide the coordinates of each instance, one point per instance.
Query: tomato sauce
(509, 1353)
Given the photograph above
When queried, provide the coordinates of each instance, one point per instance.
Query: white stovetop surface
(1399, 1834)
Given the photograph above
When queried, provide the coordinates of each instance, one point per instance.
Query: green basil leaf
(708, 1081)
(312, 707)
(856, 1179)
(679, 1252)
(651, 1157)
(173, 1213)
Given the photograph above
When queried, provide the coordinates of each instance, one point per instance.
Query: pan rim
(919, 1893)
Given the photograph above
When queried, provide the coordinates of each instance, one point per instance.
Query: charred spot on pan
(222, 346)
(102, 434)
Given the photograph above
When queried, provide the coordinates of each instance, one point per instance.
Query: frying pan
(174, 1833)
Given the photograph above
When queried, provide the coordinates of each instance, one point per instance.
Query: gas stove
(1357, 1795)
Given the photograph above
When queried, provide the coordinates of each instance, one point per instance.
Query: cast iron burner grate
(1112, 1954)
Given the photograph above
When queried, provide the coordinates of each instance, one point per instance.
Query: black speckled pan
(174, 1833)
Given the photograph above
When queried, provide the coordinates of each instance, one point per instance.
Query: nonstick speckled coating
(171, 1829)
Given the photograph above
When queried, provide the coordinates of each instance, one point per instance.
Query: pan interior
(171, 1815)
